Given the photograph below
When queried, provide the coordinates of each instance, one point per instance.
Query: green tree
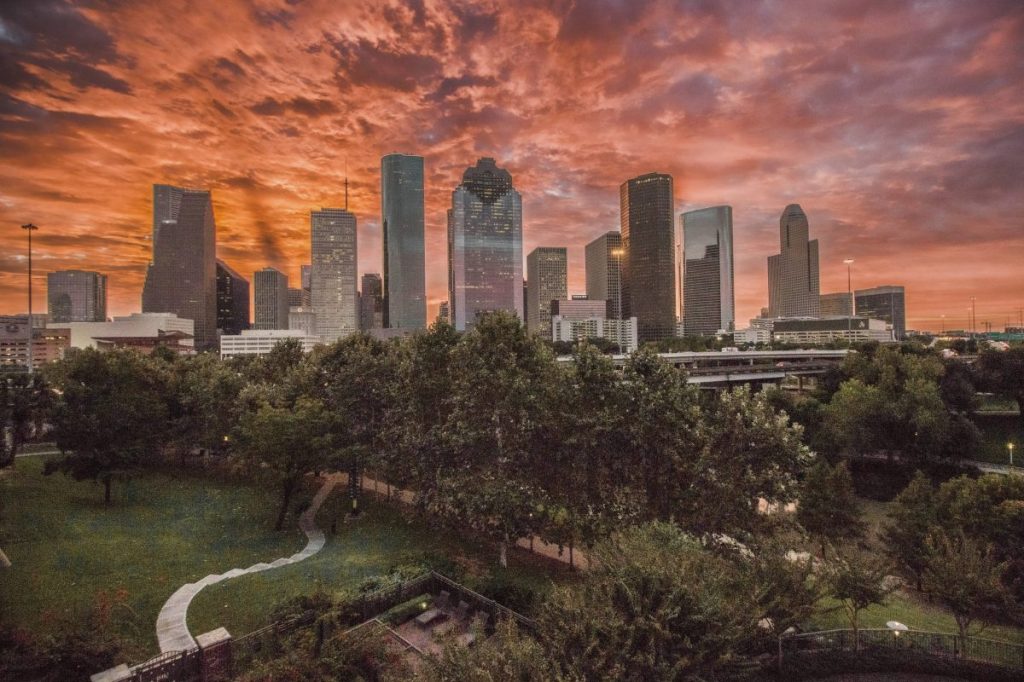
(508, 654)
(828, 509)
(205, 400)
(965, 576)
(912, 516)
(857, 581)
(25, 403)
(1002, 373)
(111, 418)
(283, 444)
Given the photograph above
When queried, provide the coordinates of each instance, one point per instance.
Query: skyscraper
(886, 303)
(333, 275)
(232, 300)
(547, 279)
(707, 278)
(371, 302)
(271, 299)
(648, 261)
(404, 283)
(485, 242)
(76, 296)
(838, 304)
(793, 285)
(182, 277)
(604, 265)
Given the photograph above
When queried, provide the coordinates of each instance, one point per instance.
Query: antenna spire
(346, 184)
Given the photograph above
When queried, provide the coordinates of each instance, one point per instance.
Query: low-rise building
(262, 341)
(620, 332)
(47, 344)
(752, 335)
(139, 330)
(817, 330)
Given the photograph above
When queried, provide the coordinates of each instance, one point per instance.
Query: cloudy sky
(898, 126)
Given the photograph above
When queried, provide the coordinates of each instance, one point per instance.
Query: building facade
(404, 278)
(371, 303)
(333, 275)
(884, 303)
(707, 292)
(76, 296)
(793, 284)
(48, 345)
(232, 300)
(603, 270)
(620, 332)
(816, 331)
(648, 261)
(138, 330)
(485, 245)
(262, 341)
(547, 279)
(271, 296)
(443, 315)
(838, 304)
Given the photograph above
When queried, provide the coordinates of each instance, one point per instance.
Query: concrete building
(371, 303)
(603, 270)
(143, 331)
(404, 282)
(648, 261)
(271, 298)
(839, 304)
(620, 332)
(302, 318)
(485, 245)
(706, 271)
(752, 335)
(793, 284)
(76, 296)
(547, 279)
(333, 275)
(232, 300)
(884, 303)
(815, 331)
(48, 345)
(182, 277)
(262, 341)
(579, 308)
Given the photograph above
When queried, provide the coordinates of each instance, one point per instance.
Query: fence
(938, 651)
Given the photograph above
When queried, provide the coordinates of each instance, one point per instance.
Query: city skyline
(906, 140)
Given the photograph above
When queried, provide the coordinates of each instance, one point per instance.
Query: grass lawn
(383, 538)
(996, 432)
(68, 550)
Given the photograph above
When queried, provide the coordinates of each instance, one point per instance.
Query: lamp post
(30, 228)
(1009, 447)
(974, 317)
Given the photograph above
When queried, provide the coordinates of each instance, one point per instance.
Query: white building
(137, 326)
(621, 332)
(302, 318)
(262, 341)
(817, 330)
(752, 335)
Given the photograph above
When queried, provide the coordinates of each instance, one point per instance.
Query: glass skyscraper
(886, 303)
(182, 277)
(271, 297)
(547, 279)
(371, 307)
(648, 261)
(793, 285)
(707, 271)
(232, 300)
(333, 274)
(485, 245)
(604, 263)
(76, 296)
(404, 281)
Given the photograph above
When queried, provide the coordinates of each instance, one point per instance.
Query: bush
(509, 594)
(407, 609)
(819, 664)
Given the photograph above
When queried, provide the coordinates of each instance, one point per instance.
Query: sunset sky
(898, 126)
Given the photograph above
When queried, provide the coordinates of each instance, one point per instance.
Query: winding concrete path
(171, 624)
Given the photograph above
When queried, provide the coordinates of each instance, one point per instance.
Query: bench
(425, 619)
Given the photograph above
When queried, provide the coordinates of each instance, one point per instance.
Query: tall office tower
(839, 304)
(648, 260)
(401, 205)
(884, 303)
(442, 312)
(371, 302)
(333, 276)
(182, 277)
(295, 297)
(485, 242)
(709, 302)
(271, 299)
(604, 265)
(793, 286)
(547, 279)
(232, 300)
(76, 296)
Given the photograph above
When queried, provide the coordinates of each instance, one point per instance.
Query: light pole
(974, 317)
(1009, 446)
(30, 228)
(943, 325)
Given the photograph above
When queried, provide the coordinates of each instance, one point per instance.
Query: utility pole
(974, 316)
(30, 228)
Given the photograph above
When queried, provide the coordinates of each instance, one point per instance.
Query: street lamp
(30, 228)
(1009, 446)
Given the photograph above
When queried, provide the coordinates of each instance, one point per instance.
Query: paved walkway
(171, 624)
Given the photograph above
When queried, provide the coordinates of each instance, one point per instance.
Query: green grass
(68, 549)
(996, 432)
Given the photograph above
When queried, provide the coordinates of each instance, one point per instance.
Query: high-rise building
(182, 277)
(401, 205)
(793, 285)
(232, 300)
(333, 276)
(709, 303)
(604, 265)
(442, 312)
(648, 260)
(76, 296)
(271, 297)
(371, 302)
(547, 279)
(485, 242)
(887, 303)
(838, 304)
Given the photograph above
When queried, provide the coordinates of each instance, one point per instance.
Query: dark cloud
(362, 62)
(300, 105)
